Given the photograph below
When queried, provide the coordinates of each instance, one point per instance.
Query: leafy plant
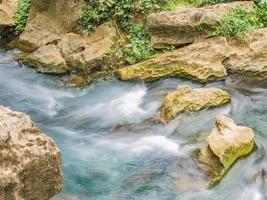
(136, 45)
(22, 15)
(206, 2)
(238, 20)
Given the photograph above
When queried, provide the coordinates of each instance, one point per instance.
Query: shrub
(22, 15)
(136, 46)
(206, 2)
(238, 20)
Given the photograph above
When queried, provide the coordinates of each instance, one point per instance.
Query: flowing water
(112, 148)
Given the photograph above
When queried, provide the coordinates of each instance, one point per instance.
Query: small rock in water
(227, 143)
(29, 160)
(186, 99)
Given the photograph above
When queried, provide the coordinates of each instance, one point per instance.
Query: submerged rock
(207, 60)
(29, 160)
(227, 143)
(47, 59)
(186, 99)
(187, 25)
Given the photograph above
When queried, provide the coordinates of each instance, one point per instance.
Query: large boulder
(74, 53)
(227, 143)
(86, 54)
(29, 160)
(47, 59)
(200, 62)
(251, 59)
(188, 25)
(8, 9)
(207, 60)
(48, 21)
(186, 99)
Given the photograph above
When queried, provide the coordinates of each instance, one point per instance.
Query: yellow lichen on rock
(227, 143)
(186, 99)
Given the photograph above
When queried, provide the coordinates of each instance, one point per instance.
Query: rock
(187, 25)
(200, 61)
(206, 60)
(251, 59)
(8, 9)
(29, 160)
(49, 20)
(186, 99)
(227, 143)
(74, 53)
(47, 59)
(87, 54)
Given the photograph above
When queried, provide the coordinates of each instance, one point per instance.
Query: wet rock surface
(208, 60)
(47, 59)
(186, 99)
(227, 143)
(29, 160)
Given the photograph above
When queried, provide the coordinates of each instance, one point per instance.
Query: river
(112, 149)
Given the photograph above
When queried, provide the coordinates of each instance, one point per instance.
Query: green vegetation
(238, 20)
(199, 3)
(22, 15)
(136, 45)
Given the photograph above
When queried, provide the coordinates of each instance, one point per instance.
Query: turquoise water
(113, 149)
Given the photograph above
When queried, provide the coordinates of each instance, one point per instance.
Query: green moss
(22, 15)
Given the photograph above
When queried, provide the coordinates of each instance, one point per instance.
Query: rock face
(47, 59)
(86, 54)
(186, 99)
(29, 160)
(206, 60)
(47, 22)
(199, 61)
(8, 9)
(227, 142)
(187, 25)
(74, 53)
(251, 59)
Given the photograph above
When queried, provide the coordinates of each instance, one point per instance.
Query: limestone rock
(47, 59)
(251, 59)
(200, 62)
(186, 99)
(74, 53)
(29, 160)
(8, 9)
(187, 25)
(227, 143)
(86, 54)
(207, 60)
(48, 21)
